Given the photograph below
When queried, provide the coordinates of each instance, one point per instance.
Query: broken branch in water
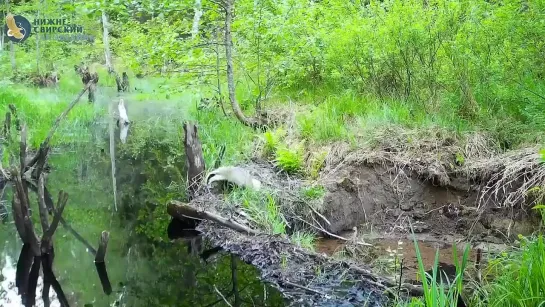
(102, 246)
(223, 297)
(181, 210)
(61, 203)
(101, 265)
(41, 204)
(51, 208)
(44, 147)
(21, 193)
(22, 149)
(329, 233)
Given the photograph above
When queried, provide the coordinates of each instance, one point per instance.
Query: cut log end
(102, 246)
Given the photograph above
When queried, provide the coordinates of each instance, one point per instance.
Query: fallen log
(181, 210)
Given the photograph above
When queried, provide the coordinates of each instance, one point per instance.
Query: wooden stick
(41, 204)
(45, 143)
(178, 210)
(22, 148)
(61, 203)
(102, 246)
(223, 297)
(194, 158)
(22, 195)
(289, 283)
(18, 218)
(51, 207)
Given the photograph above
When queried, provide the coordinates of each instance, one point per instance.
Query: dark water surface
(140, 273)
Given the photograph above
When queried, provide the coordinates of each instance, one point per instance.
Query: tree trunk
(12, 55)
(106, 41)
(1, 40)
(196, 19)
(220, 94)
(194, 159)
(229, 6)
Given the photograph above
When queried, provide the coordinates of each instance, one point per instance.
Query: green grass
(290, 159)
(442, 293)
(313, 192)
(303, 239)
(38, 110)
(343, 116)
(517, 278)
(262, 207)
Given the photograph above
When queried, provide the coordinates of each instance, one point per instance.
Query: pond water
(144, 266)
(141, 273)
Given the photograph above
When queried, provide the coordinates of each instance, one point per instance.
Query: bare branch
(102, 246)
(61, 203)
(45, 144)
(41, 202)
(22, 148)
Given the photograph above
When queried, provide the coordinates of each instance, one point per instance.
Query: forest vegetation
(291, 82)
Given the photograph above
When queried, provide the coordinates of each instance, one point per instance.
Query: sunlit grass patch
(262, 207)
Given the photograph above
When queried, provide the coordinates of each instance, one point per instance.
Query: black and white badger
(234, 174)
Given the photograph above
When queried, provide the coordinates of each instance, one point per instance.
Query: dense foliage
(334, 70)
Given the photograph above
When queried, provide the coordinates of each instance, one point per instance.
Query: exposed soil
(386, 199)
(384, 202)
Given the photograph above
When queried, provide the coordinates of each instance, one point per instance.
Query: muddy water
(381, 256)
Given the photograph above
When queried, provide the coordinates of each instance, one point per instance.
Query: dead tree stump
(194, 159)
(88, 77)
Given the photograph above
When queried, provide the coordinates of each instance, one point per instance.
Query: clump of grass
(303, 239)
(215, 131)
(440, 293)
(313, 192)
(519, 277)
(391, 263)
(290, 159)
(39, 108)
(322, 125)
(271, 141)
(316, 163)
(262, 207)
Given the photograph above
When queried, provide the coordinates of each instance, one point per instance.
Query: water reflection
(9, 294)
(178, 273)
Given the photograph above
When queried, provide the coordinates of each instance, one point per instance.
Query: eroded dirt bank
(381, 201)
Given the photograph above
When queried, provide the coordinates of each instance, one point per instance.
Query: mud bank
(384, 200)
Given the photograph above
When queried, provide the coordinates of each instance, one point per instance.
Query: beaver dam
(224, 245)
(374, 203)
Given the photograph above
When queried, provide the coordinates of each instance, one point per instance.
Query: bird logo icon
(17, 28)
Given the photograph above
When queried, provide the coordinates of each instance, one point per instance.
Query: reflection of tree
(161, 281)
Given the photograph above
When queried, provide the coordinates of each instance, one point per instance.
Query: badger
(233, 174)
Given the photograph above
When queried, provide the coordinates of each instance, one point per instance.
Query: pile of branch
(290, 269)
